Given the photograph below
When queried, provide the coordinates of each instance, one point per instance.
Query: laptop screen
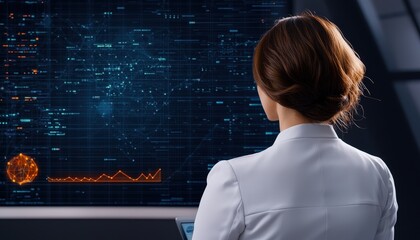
(187, 229)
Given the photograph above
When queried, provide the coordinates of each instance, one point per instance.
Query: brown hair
(304, 63)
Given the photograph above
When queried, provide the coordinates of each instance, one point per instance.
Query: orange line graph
(118, 177)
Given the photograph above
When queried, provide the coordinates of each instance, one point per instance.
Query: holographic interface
(126, 102)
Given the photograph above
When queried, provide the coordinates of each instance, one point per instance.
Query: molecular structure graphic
(22, 169)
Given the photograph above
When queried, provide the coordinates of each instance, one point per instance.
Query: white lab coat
(309, 185)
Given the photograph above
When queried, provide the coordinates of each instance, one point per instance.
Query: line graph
(118, 177)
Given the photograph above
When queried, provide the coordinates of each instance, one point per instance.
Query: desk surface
(97, 212)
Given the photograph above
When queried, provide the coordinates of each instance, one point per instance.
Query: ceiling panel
(415, 4)
(408, 93)
(389, 7)
(402, 41)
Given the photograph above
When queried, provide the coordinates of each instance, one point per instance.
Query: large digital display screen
(127, 103)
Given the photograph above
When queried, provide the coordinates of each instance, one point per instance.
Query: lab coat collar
(307, 131)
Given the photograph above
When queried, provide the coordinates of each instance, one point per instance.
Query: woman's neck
(289, 117)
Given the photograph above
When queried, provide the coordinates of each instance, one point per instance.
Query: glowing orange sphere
(22, 169)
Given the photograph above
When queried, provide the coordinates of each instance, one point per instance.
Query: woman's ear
(269, 105)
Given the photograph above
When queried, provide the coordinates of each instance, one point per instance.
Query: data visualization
(119, 177)
(126, 103)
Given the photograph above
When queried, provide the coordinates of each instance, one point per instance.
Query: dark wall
(88, 229)
(384, 130)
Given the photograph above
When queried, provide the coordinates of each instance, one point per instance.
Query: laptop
(185, 227)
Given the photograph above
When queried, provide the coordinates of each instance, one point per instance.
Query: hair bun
(304, 63)
(313, 105)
